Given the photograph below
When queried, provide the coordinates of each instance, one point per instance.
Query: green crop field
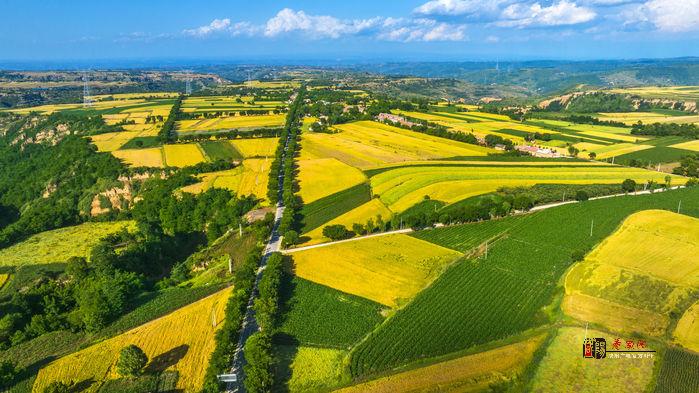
(318, 315)
(477, 301)
(60, 244)
(220, 150)
(678, 372)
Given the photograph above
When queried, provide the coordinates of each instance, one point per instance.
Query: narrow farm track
(250, 326)
(409, 230)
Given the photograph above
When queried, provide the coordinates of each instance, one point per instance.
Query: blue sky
(356, 30)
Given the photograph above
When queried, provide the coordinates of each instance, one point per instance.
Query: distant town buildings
(395, 119)
(538, 151)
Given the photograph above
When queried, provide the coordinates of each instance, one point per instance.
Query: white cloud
(217, 25)
(223, 26)
(558, 14)
(316, 26)
(667, 15)
(459, 7)
(410, 30)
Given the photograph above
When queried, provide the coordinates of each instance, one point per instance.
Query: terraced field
(181, 341)
(647, 269)
(402, 188)
(365, 144)
(59, 245)
(227, 104)
(631, 118)
(389, 269)
(670, 92)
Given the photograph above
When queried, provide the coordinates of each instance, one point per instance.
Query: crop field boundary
(532, 210)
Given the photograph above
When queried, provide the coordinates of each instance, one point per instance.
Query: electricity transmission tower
(87, 100)
(188, 83)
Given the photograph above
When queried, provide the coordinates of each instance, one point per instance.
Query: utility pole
(240, 229)
(592, 225)
(679, 206)
(486, 249)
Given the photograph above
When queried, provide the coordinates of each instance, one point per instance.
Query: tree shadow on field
(167, 359)
(285, 356)
(82, 385)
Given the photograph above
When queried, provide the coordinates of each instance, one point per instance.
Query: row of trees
(499, 204)
(232, 134)
(227, 336)
(437, 130)
(167, 132)
(690, 131)
(259, 370)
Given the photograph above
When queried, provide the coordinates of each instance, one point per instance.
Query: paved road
(438, 225)
(249, 325)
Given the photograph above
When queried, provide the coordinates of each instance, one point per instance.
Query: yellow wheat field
(3, 279)
(659, 242)
(181, 155)
(631, 118)
(387, 269)
(607, 151)
(358, 215)
(314, 368)
(113, 140)
(687, 330)
(149, 157)
(366, 144)
(255, 177)
(691, 145)
(465, 374)
(228, 179)
(231, 122)
(655, 249)
(325, 176)
(256, 147)
(401, 188)
(184, 337)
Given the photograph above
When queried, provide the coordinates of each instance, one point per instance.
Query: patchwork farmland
(425, 244)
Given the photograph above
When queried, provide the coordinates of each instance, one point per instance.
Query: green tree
(581, 195)
(291, 237)
(523, 202)
(628, 185)
(258, 370)
(131, 361)
(592, 155)
(573, 151)
(57, 387)
(668, 181)
(336, 232)
(8, 373)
